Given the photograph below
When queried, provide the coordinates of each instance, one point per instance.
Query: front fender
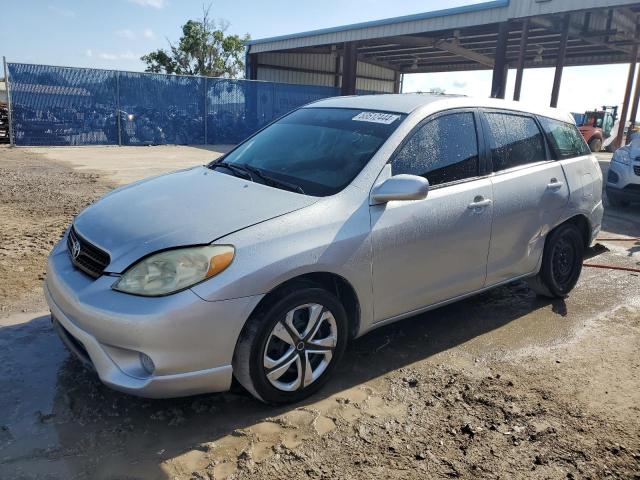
(331, 236)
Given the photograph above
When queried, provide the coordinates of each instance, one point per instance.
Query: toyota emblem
(75, 248)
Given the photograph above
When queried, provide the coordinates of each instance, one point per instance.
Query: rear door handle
(479, 203)
(554, 184)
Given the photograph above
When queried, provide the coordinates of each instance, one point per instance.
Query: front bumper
(190, 341)
(623, 181)
(630, 193)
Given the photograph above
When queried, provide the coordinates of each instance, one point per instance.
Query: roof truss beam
(580, 32)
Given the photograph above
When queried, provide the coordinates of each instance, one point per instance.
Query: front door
(431, 250)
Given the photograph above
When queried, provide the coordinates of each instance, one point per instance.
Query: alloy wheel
(300, 347)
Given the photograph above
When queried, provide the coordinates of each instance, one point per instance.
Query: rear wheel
(561, 262)
(595, 144)
(289, 349)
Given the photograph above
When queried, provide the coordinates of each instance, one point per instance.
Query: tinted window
(443, 150)
(320, 150)
(565, 138)
(515, 140)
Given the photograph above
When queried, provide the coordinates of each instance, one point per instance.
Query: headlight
(622, 156)
(174, 270)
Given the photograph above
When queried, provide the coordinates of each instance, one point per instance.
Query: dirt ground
(502, 385)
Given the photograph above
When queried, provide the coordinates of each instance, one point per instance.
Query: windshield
(318, 151)
(593, 119)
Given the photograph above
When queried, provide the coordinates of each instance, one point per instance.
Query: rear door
(581, 167)
(529, 192)
(430, 250)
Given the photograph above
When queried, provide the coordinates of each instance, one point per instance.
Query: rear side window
(565, 138)
(515, 140)
(443, 150)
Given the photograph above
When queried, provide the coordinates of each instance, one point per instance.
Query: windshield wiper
(237, 170)
(274, 182)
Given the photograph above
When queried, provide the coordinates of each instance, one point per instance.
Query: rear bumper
(189, 340)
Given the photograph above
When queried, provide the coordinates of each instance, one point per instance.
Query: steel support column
(634, 103)
(396, 82)
(12, 141)
(500, 68)
(521, 59)
(349, 69)
(627, 97)
(252, 66)
(562, 50)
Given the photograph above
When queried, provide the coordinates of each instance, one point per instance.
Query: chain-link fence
(84, 106)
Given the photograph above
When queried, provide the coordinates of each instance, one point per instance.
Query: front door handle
(554, 184)
(479, 202)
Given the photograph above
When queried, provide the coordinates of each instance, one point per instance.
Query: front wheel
(595, 145)
(561, 262)
(289, 349)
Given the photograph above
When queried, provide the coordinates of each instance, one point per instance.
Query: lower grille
(636, 169)
(86, 256)
(73, 344)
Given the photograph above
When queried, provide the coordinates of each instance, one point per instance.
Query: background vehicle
(596, 126)
(4, 123)
(623, 177)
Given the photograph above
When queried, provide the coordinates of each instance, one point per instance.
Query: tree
(203, 49)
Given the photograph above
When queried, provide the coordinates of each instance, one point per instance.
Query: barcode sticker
(376, 117)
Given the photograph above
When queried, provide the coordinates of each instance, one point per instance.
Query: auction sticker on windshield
(376, 117)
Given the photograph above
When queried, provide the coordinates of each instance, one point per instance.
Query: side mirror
(400, 187)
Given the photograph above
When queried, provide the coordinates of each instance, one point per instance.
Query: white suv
(623, 179)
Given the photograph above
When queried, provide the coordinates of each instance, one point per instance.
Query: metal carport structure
(497, 35)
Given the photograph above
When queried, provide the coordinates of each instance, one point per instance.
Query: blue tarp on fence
(83, 106)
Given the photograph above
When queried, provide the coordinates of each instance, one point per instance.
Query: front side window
(515, 140)
(565, 138)
(443, 150)
(319, 151)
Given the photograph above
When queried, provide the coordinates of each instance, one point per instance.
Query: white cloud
(128, 55)
(126, 33)
(148, 33)
(159, 4)
(88, 52)
(62, 12)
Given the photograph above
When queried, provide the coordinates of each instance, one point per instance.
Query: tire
(561, 262)
(595, 145)
(281, 343)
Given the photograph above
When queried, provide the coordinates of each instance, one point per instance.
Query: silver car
(344, 215)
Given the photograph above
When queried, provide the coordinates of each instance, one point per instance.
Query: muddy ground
(502, 385)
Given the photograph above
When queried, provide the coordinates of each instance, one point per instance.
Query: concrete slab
(122, 165)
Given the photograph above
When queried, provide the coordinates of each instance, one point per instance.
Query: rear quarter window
(565, 138)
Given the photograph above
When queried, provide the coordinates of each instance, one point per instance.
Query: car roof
(408, 102)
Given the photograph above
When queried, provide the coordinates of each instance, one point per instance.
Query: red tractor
(596, 126)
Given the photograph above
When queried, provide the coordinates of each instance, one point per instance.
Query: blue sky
(114, 34)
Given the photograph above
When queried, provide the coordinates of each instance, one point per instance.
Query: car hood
(188, 207)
